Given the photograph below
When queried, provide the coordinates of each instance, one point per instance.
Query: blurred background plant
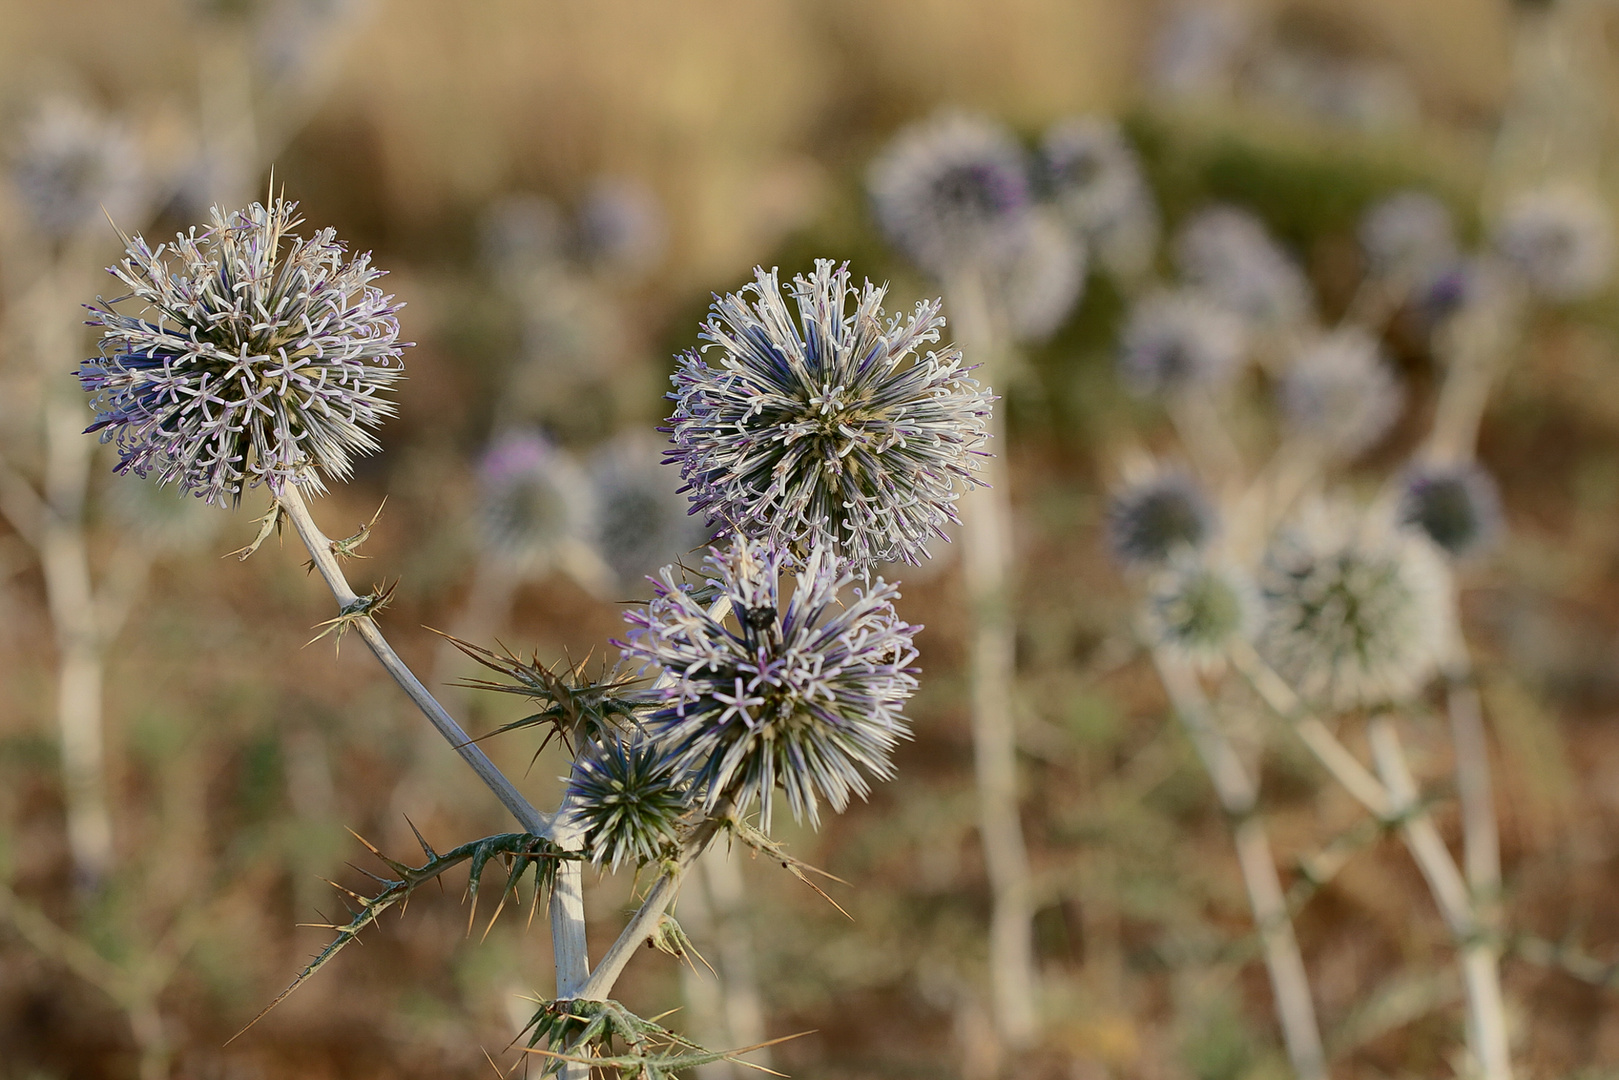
(1213, 197)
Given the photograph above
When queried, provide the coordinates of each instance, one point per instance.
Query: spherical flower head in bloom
(1410, 233)
(1196, 609)
(629, 796)
(1457, 505)
(1091, 170)
(70, 164)
(1228, 254)
(534, 501)
(1340, 394)
(1043, 279)
(951, 192)
(1560, 238)
(255, 356)
(1179, 342)
(642, 521)
(1153, 519)
(775, 683)
(1357, 610)
(831, 428)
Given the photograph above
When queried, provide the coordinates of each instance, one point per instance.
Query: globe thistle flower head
(1179, 342)
(620, 226)
(951, 192)
(255, 356)
(1154, 519)
(1340, 393)
(1458, 506)
(1228, 254)
(829, 428)
(1357, 611)
(792, 688)
(535, 501)
(1044, 278)
(70, 163)
(1196, 608)
(641, 520)
(1409, 233)
(1091, 170)
(1560, 239)
(629, 796)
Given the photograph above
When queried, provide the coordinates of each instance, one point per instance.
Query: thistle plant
(783, 667)
(1180, 342)
(1151, 520)
(1227, 254)
(1458, 506)
(1340, 396)
(1559, 239)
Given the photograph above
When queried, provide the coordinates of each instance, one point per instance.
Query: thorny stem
(645, 919)
(1238, 792)
(986, 562)
(320, 549)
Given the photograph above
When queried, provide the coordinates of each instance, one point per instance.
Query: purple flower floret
(256, 356)
(759, 689)
(831, 427)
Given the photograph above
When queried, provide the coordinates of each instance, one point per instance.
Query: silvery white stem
(986, 555)
(1486, 1012)
(1238, 792)
(320, 549)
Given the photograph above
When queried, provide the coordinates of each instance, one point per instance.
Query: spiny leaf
(361, 607)
(525, 848)
(349, 546)
(270, 522)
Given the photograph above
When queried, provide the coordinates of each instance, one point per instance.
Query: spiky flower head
(1229, 255)
(629, 796)
(1560, 238)
(1357, 610)
(1196, 608)
(1457, 505)
(951, 192)
(829, 428)
(1091, 170)
(642, 521)
(1044, 278)
(1180, 342)
(1410, 233)
(535, 501)
(1340, 394)
(769, 682)
(1151, 520)
(70, 163)
(254, 356)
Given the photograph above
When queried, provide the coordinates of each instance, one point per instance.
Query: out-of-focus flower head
(1153, 518)
(793, 688)
(1340, 394)
(629, 796)
(535, 502)
(1196, 52)
(1092, 171)
(1409, 234)
(1196, 608)
(1357, 611)
(1044, 278)
(620, 226)
(522, 233)
(1457, 505)
(829, 428)
(642, 520)
(255, 356)
(1179, 342)
(951, 192)
(1560, 239)
(69, 163)
(1228, 254)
